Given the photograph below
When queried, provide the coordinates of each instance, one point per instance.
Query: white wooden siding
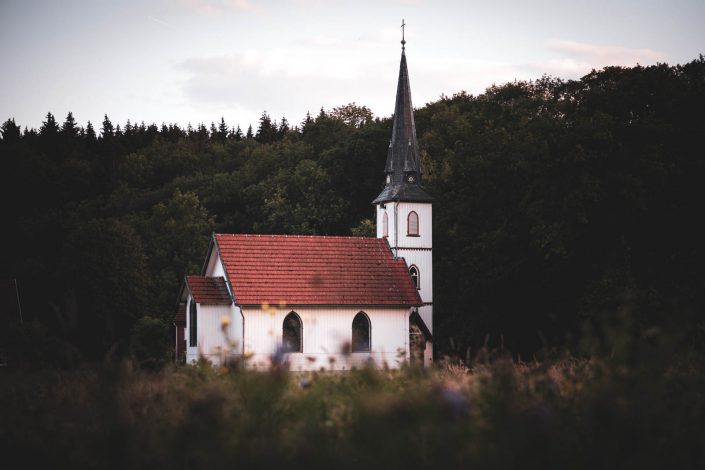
(215, 265)
(326, 334)
(398, 213)
(423, 260)
(212, 341)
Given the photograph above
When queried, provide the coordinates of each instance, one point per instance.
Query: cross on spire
(403, 41)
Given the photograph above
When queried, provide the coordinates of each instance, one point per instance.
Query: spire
(403, 167)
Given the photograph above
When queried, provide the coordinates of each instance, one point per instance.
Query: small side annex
(310, 301)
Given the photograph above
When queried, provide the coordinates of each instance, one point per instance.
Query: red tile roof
(208, 290)
(307, 270)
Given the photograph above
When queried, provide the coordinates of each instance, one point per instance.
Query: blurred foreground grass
(560, 413)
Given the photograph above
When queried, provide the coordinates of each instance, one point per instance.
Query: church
(312, 302)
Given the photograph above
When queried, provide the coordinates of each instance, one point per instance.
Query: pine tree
(90, 132)
(49, 127)
(283, 128)
(308, 120)
(69, 128)
(267, 131)
(10, 131)
(107, 131)
(222, 130)
(249, 132)
(238, 134)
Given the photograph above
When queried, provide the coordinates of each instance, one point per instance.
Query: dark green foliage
(150, 342)
(106, 270)
(558, 204)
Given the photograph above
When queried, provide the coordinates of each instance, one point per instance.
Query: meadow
(497, 412)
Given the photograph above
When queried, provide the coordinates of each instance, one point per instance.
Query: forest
(567, 216)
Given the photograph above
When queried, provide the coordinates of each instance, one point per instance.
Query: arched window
(414, 273)
(361, 333)
(413, 224)
(292, 333)
(385, 225)
(192, 325)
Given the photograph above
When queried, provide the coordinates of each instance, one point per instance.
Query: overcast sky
(197, 60)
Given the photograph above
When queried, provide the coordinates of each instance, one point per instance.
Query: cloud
(597, 56)
(312, 72)
(219, 6)
(283, 81)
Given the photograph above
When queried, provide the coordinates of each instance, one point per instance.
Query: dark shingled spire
(403, 167)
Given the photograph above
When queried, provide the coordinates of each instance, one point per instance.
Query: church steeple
(403, 168)
(404, 215)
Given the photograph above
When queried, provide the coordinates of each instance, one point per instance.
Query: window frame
(297, 317)
(409, 232)
(193, 324)
(385, 225)
(415, 279)
(361, 315)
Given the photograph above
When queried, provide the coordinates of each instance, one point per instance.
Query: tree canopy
(561, 207)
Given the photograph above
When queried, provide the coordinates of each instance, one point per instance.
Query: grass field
(559, 413)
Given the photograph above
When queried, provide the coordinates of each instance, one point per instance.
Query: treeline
(564, 211)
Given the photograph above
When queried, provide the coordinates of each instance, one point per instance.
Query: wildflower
(304, 383)
(345, 348)
(279, 357)
(224, 322)
(453, 401)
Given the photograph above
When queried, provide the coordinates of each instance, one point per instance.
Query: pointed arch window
(192, 324)
(414, 273)
(292, 333)
(413, 224)
(361, 333)
(385, 225)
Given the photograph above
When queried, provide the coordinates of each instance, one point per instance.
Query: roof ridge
(275, 235)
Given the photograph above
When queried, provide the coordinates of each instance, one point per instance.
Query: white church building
(315, 302)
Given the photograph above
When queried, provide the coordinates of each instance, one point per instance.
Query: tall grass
(496, 413)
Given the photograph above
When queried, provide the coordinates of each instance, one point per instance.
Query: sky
(195, 61)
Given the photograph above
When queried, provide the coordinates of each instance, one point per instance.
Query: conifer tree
(49, 127)
(283, 128)
(267, 131)
(69, 128)
(10, 131)
(249, 132)
(308, 120)
(107, 130)
(222, 130)
(90, 132)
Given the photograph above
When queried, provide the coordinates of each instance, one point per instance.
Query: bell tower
(404, 210)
